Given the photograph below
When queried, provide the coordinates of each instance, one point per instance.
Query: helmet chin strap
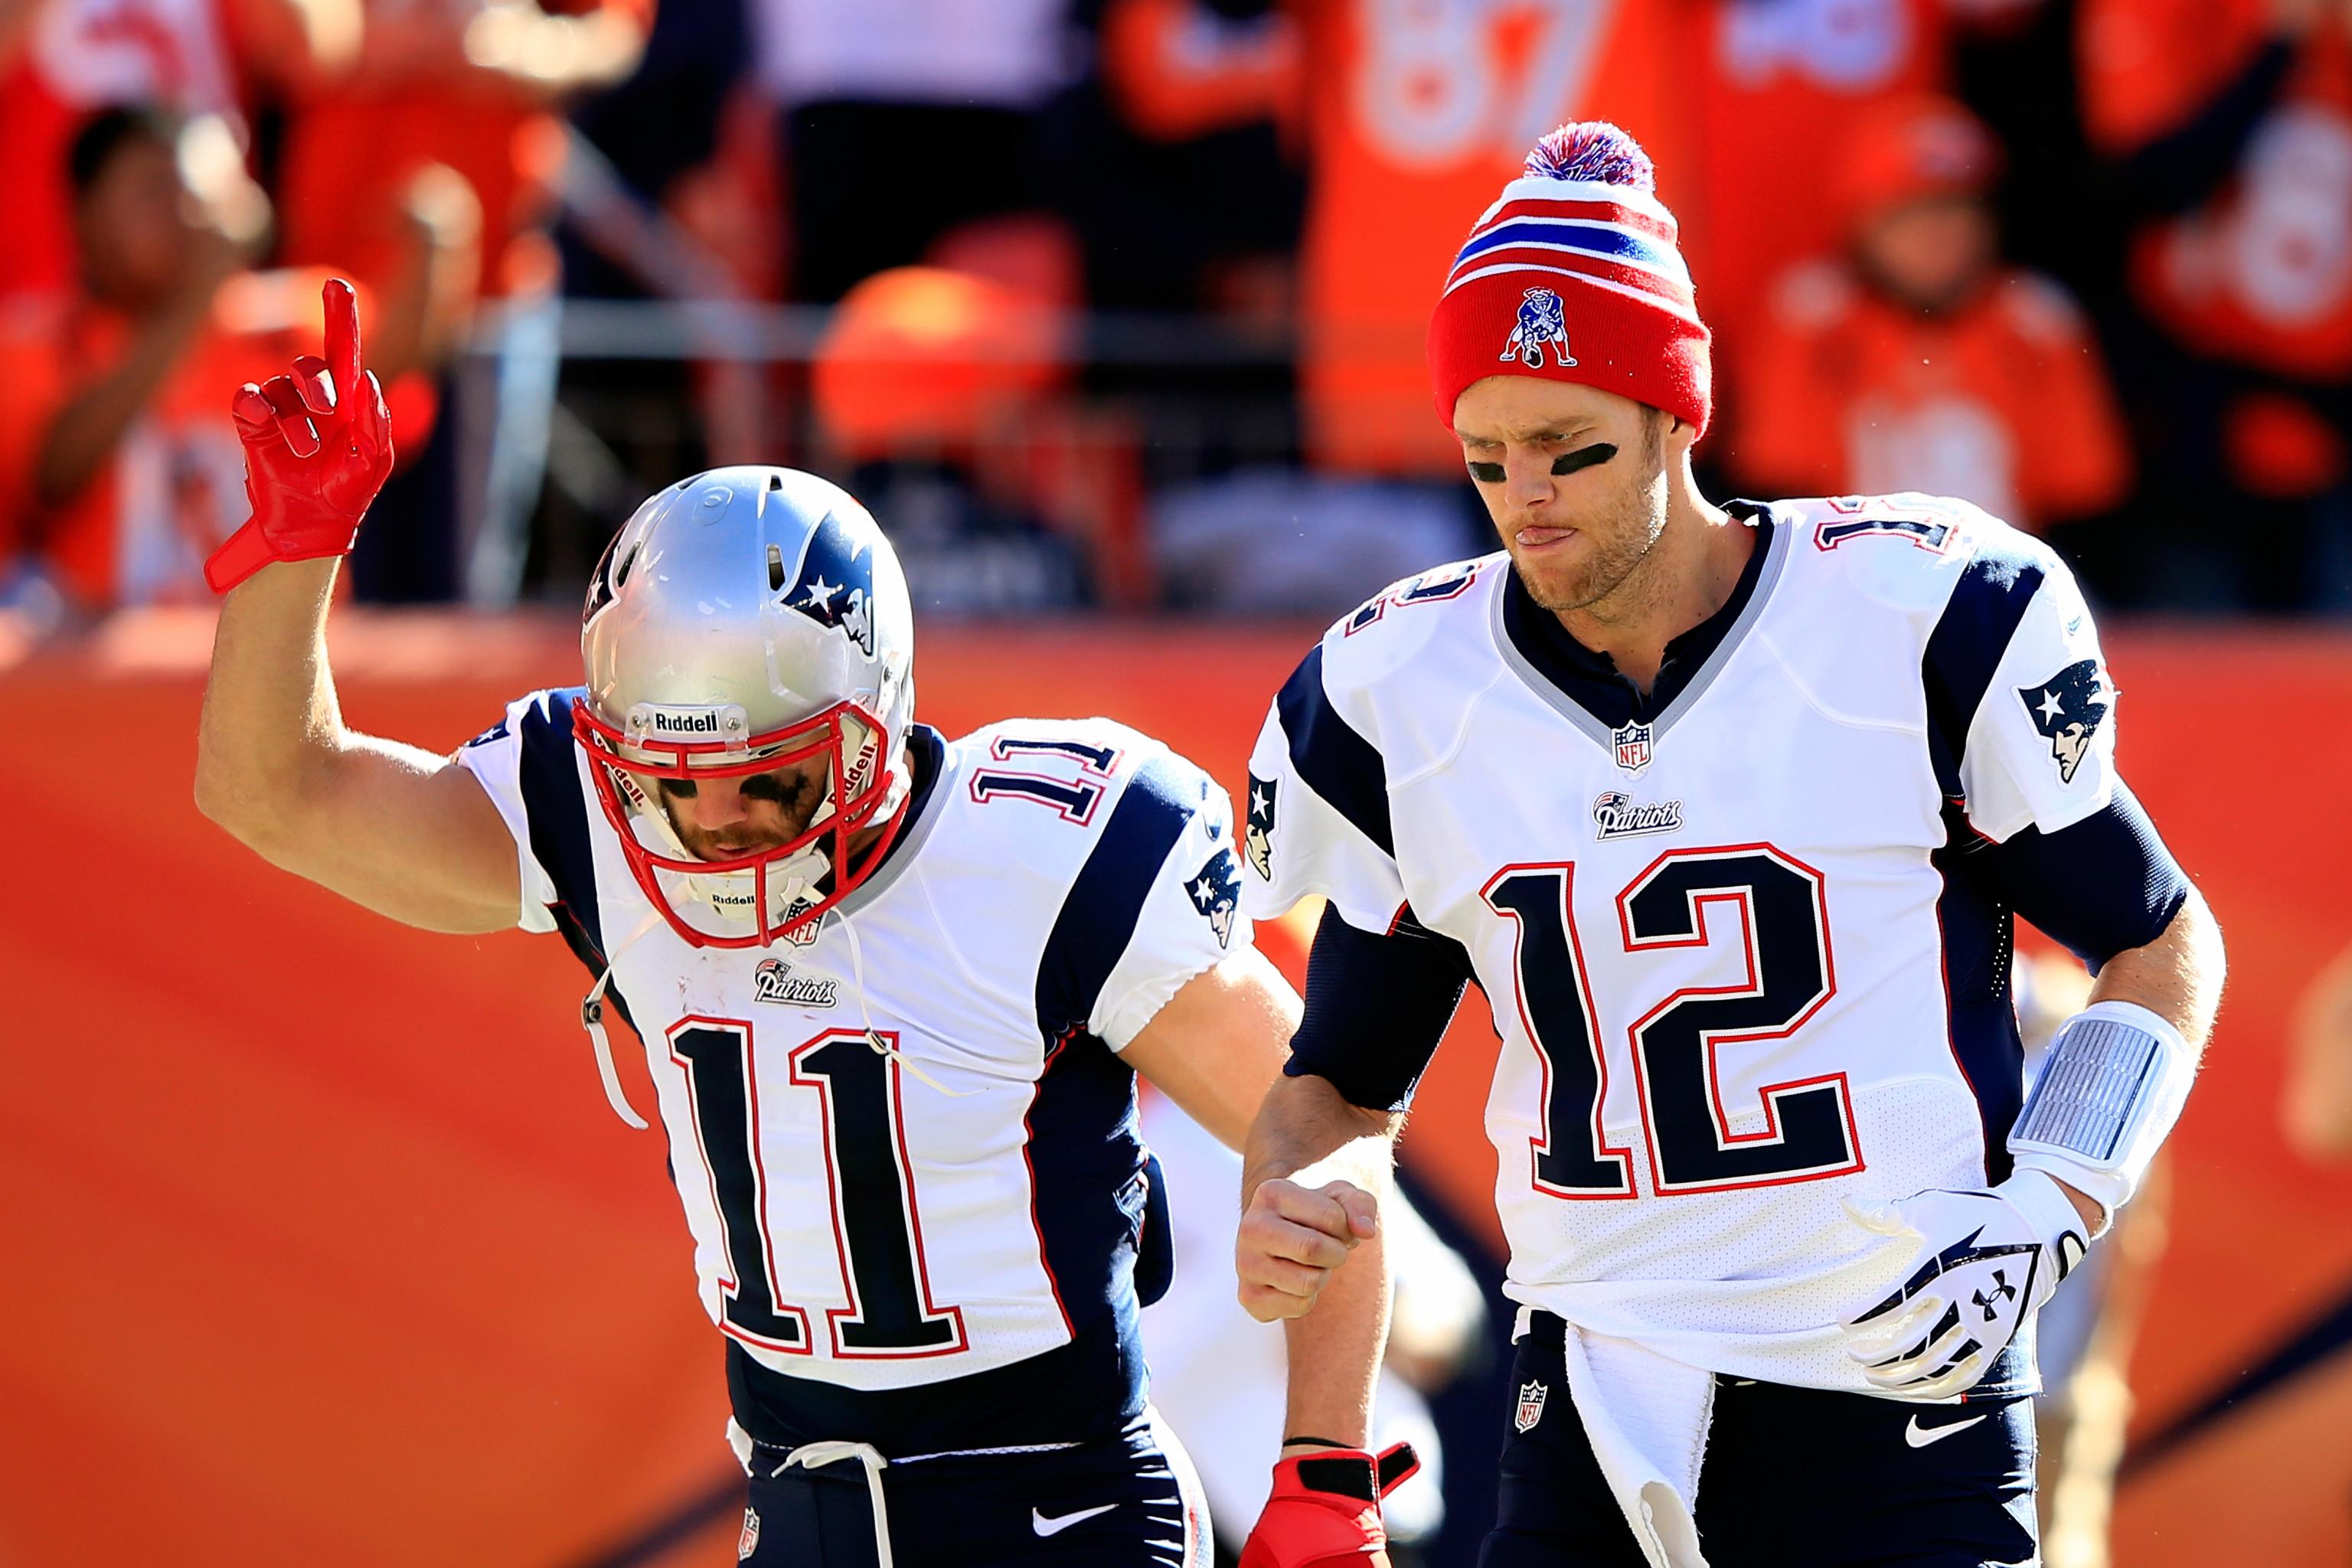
(592, 1018)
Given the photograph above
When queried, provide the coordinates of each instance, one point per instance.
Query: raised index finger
(342, 337)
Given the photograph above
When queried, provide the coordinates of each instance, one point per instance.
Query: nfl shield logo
(1633, 747)
(749, 1542)
(1531, 1404)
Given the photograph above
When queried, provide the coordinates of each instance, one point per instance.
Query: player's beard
(1617, 536)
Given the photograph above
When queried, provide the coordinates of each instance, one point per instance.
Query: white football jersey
(975, 1198)
(1737, 977)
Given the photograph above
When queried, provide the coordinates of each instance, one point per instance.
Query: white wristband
(2108, 1092)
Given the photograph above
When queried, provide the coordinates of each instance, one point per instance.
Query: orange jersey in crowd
(1176, 70)
(81, 56)
(2004, 402)
(1418, 113)
(1781, 80)
(351, 152)
(175, 488)
(2262, 273)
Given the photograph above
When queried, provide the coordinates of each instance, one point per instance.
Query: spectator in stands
(2226, 131)
(1195, 194)
(1195, 199)
(902, 121)
(1917, 361)
(477, 87)
(473, 85)
(1785, 80)
(1416, 114)
(119, 469)
(1407, 116)
(62, 60)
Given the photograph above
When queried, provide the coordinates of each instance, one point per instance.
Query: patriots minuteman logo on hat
(1542, 320)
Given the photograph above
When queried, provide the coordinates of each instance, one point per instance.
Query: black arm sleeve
(2102, 886)
(1376, 1008)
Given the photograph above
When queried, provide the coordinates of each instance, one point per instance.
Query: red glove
(318, 448)
(1325, 1511)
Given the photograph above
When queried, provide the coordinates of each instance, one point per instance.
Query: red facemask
(860, 782)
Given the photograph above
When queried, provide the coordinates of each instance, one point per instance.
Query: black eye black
(768, 788)
(677, 789)
(1582, 457)
(1488, 473)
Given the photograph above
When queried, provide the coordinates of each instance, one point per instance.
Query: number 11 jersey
(867, 1225)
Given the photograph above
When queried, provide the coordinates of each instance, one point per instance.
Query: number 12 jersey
(1738, 977)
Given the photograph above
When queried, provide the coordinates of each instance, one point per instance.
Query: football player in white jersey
(893, 988)
(1727, 809)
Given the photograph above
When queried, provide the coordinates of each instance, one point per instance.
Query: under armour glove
(1986, 1263)
(1325, 1510)
(318, 448)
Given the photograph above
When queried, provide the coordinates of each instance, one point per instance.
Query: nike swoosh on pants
(1044, 1526)
(1919, 1436)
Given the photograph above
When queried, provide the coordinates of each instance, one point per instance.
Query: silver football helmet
(742, 620)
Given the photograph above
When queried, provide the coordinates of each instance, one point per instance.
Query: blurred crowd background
(1118, 303)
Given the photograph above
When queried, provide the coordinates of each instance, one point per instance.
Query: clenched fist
(1292, 1237)
(318, 448)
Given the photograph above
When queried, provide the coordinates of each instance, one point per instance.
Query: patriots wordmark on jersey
(867, 1222)
(1739, 975)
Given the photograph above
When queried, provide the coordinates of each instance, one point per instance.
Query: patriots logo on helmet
(2068, 709)
(1542, 320)
(836, 585)
(1216, 892)
(1257, 838)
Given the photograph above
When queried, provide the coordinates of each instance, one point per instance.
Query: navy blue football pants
(1131, 1501)
(1791, 1475)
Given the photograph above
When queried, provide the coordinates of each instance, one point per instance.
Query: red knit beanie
(1575, 275)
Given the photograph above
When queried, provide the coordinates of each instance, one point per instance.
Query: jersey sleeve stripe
(1331, 757)
(1099, 915)
(557, 807)
(1965, 651)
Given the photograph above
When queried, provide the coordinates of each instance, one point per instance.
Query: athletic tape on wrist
(2108, 1094)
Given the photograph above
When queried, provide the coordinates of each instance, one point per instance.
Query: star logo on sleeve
(1216, 893)
(1257, 839)
(2067, 711)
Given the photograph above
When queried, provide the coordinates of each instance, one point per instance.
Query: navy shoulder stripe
(1336, 762)
(1965, 647)
(557, 810)
(1099, 916)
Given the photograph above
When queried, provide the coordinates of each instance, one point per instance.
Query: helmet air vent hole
(776, 482)
(775, 569)
(621, 572)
